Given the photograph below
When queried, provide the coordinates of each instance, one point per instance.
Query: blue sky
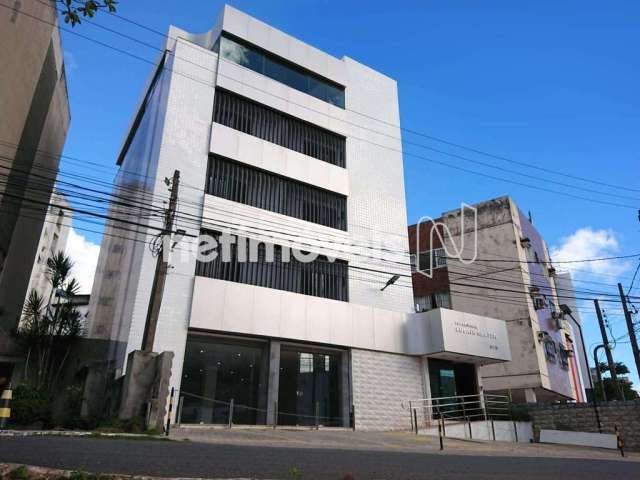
(552, 84)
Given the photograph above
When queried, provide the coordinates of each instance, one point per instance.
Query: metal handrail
(504, 399)
(460, 407)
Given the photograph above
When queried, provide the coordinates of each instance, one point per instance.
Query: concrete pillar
(263, 387)
(345, 387)
(480, 389)
(146, 386)
(274, 379)
(425, 413)
(426, 379)
(479, 379)
(530, 395)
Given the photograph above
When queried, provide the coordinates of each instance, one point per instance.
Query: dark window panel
(276, 127)
(244, 184)
(320, 278)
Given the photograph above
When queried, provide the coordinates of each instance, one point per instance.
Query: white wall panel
(276, 313)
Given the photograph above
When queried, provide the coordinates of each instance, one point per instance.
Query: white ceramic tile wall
(373, 181)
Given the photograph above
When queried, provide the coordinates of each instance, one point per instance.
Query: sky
(550, 85)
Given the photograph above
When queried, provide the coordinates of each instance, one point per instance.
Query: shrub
(114, 425)
(80, 475)
(31, 405)
(20, 473)
(520, 413)
(73, 406)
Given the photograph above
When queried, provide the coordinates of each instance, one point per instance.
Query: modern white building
(278, 142)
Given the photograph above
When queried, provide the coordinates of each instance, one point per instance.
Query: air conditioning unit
(525, 242)
(557, 323)
(556, 315)
(539, 303)
(551, 271)
(543, 335)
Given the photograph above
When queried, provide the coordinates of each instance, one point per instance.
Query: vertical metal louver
(250, 117)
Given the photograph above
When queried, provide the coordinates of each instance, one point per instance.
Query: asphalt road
(191, 459)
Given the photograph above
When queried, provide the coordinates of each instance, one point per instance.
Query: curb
(75, 433)
(46, 473)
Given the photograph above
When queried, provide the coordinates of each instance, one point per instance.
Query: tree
(73, 9)
(621, 368)
(609, 387)
(49, 326)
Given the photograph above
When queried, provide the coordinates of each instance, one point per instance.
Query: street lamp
(390, 282)
(564, 308)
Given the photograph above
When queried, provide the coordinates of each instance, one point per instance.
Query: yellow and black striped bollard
(5, 406)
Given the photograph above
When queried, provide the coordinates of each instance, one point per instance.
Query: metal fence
(229, 413)
(460, 408)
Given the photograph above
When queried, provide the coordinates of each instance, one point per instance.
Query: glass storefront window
(217, 370)
(308, 379)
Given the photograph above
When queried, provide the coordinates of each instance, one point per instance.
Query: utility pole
(607, 350)
(162, 265)
(604, 395)
(630, 327)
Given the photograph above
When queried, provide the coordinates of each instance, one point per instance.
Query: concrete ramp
(505, 431)
(583, 439)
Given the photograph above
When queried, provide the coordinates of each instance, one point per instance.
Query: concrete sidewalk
(384, 441)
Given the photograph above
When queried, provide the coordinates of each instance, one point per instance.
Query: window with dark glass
(217, 370)
(274, 269)
(238, 51)
(430, 260)
(276, 127)
(244, 184)
(309, 385)
(434, 300)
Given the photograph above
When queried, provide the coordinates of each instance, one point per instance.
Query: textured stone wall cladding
(582, 418)
(381, 381)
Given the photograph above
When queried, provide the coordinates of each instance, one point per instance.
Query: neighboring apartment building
(35, 118)
(278, 142)
(512, 279)
(579, 360)
(53, 239)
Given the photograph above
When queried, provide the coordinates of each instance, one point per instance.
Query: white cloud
(84, 255)
(589, 243)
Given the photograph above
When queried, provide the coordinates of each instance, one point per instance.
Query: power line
(583, 260)
(390, 124)
(261, 231)
(563, 184)
(608, 258)
(226, 224)
(445, 164)
(633, 279)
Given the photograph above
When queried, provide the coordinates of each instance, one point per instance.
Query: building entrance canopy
(458, 336)
(247, 309)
